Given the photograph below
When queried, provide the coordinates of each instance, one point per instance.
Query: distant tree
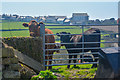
(113, 19)
(3, 15)
(16, 15)
(97, 21)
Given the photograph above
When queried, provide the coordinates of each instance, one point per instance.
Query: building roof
(60, 19)
(67, 20)
(80, 14)
(56, 17)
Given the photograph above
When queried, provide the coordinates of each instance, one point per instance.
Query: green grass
(80, 71)
(18, 25)
(15, 33)
(12, 25)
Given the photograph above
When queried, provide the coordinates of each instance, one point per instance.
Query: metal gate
(82, 28)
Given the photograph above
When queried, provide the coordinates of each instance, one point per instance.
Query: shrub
(45, 75)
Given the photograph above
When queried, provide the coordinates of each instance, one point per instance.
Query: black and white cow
(89, 36)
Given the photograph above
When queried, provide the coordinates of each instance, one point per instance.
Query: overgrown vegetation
(62, 72)
(80, 71)
(44, 75)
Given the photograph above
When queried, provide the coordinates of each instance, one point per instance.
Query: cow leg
(50, 62)
(46, 58)
(95, 55)
(81, 56)
(75, 56)
(70, 56)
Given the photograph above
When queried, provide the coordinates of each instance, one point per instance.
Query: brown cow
(34, 29)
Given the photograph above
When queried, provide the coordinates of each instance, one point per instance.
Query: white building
(60, 20)
(79, 18)
(67, 21)
(42, 19)
(53, 19)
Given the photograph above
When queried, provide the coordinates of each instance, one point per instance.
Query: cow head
(64, 37)
(34, 28)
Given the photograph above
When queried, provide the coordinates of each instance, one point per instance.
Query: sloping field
(107, 28)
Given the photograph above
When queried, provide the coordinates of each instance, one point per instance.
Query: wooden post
(42, 34)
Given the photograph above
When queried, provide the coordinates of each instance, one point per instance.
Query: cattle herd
(89, 36)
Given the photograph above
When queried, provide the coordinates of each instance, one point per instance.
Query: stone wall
(29, 46)
(10, 66)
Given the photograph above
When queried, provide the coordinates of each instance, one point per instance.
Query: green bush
(45, 75)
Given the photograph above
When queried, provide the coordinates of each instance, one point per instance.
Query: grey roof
(60, 19)
(80, 14)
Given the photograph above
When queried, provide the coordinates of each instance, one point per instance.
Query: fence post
(42, 34)
(82, 39)
(118, 22)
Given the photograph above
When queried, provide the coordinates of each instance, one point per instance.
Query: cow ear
(57, 34)
(25, 24)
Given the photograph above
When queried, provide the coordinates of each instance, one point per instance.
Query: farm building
(79, 18)
(53, 19)
(42, 19)
(67, 21)
(61, 20)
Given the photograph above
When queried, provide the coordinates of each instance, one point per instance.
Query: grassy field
(6, 25)
(80, 71)
(18, 25)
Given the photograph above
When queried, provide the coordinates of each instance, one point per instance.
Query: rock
(14, 67)
(3, 67)
(26, 72)
(0, 52)
(10, 61)
(11, 74)
(58, 75)
(0, 60)
(7, 52)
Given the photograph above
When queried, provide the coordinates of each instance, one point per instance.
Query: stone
(14, 67)
(26, 72)
(7, 52)
(11, 74)
(0, 60)
(0, 52)
(10, 61)
(3, 67)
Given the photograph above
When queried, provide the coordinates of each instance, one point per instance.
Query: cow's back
(92, 35)
(89, 36)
